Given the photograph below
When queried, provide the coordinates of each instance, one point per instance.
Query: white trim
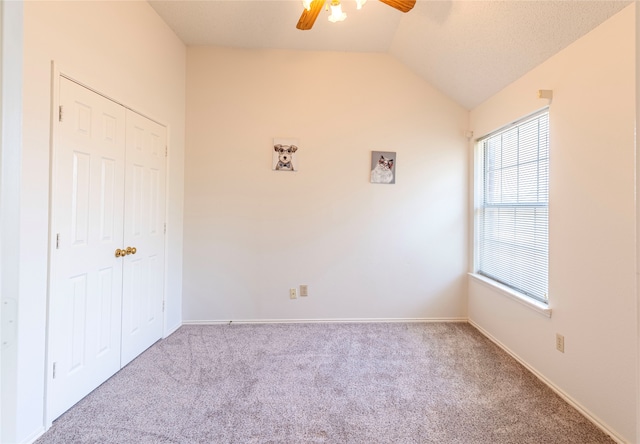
(34, 436)
(538, 307)
(51, 263)
(572, 402)
(321, 321)
(172, 331)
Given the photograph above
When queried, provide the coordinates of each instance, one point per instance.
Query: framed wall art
(383, 167)
(284, 157)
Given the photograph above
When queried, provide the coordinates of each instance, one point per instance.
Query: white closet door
(143, 276)
(86, 285)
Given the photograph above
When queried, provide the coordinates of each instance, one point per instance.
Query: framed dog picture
(284, 156)
(383, 167)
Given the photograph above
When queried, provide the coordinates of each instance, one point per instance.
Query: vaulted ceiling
(469, 49)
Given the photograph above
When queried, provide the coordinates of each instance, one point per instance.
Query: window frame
(479, 201)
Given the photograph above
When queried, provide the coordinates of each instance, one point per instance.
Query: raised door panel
(86, 285)
(143, 275)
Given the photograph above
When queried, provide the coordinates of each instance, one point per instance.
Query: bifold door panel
(143, 277)
(108, 194)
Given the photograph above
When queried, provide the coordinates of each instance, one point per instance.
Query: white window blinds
(513, 213)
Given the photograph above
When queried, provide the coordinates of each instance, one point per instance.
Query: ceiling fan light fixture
(360, 3)
(307, 4)
(336, 12)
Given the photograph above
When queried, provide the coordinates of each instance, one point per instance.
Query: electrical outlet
(559, 342)
(304, 291)
(292, 293)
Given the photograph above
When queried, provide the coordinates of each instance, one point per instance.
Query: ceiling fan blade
(400, 5)
(308, 18)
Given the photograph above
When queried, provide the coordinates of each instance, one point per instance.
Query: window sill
(532, 304)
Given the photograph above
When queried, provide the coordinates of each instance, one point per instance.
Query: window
(512, 216)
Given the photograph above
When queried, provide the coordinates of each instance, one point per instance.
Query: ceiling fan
(310, 13)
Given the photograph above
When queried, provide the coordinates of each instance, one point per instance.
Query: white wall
(124, 50)
(592, 288)
(365, 250)
(11, 14)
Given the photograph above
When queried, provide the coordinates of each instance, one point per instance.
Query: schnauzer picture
(284, 155)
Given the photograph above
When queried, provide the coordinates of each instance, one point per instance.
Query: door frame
(56, 75)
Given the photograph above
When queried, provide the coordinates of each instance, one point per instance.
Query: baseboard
(575, 404)
(318, 321)
(171, 331)
(34, 436)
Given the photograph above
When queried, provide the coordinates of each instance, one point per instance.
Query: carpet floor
(324, 383)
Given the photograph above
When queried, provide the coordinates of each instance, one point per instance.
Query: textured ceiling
(469, 49)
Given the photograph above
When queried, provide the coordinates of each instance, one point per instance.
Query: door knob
(125, 252)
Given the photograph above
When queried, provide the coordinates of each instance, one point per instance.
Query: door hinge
(163, 305)
(166, 151)
(60, 113)
(57, 241)
(54, 370)
(165, 228)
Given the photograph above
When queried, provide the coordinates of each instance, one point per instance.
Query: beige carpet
(324, 383)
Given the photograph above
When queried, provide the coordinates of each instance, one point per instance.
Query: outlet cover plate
(559, 342)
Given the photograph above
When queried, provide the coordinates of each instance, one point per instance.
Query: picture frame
(383, 167)
(284, 154)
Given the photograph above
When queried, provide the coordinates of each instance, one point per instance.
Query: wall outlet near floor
(292, 293)
(304, 290)
(559, 342)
